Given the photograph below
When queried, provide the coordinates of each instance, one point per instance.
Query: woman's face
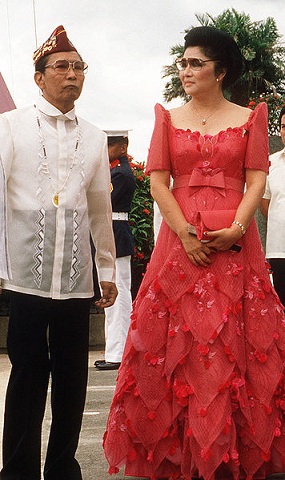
(198, 81)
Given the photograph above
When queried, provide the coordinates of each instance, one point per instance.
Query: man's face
(116, 150)
(282, 129)
(61, 90)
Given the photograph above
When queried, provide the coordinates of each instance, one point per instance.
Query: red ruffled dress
(200, 391)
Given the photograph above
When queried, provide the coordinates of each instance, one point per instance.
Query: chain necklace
(204, 119)
(56, 191)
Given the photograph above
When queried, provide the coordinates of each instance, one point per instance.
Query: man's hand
(109, 294)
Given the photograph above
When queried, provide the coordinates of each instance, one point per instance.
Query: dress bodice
(230, 150)
(208, 168)
(191, 150)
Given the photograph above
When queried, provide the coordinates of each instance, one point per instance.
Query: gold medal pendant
(55, 200)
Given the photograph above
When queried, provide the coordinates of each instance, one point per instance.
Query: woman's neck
(209, 103)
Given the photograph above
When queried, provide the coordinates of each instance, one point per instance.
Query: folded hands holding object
(205, 239)
(235, 247)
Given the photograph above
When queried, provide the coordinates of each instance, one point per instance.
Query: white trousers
(117, 317)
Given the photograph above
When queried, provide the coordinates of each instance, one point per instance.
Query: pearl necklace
(56, 191)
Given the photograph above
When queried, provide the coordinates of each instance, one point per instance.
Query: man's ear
(39, 79)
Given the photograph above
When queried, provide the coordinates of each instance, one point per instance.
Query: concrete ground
(99, 395)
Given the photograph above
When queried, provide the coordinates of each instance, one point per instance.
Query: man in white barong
(57, 180)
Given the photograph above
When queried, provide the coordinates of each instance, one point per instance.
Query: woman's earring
(217, 80)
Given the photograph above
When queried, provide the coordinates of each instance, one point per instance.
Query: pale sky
(125, 43)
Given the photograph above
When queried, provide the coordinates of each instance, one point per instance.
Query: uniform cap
(115, 136)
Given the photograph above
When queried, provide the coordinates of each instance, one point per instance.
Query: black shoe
(102, 365)
(98, 362)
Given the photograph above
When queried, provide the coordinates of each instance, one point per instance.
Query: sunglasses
(195, 64)
(63, 66)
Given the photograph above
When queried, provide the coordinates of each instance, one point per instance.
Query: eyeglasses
(195, 64)
(63, 66)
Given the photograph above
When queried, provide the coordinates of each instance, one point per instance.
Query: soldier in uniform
(117, 317)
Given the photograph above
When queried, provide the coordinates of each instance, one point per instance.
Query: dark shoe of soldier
(103, 365)
(98, 362)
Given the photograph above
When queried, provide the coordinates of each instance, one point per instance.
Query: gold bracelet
(243, 229)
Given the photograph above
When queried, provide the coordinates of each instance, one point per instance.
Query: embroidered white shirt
(275, 191)
(49, 247)
(4, 261)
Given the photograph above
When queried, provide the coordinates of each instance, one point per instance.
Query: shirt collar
(48, 109)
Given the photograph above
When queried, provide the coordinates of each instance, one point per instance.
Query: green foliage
(263, 52)
(274, 102)
(141, 217)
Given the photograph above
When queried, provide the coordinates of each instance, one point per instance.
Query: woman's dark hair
(282, 112)
(217, 44)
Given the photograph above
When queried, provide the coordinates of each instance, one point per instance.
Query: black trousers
(278, 277)
(45, 337)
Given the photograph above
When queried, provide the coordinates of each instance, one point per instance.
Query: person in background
(123, 184)
(200, 391)
(57, 188)
(272, 206)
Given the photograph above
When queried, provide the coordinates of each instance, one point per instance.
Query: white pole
(35, 23)
(10, 46)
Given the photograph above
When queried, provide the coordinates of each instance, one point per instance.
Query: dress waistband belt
(232, 183)
(120, 216)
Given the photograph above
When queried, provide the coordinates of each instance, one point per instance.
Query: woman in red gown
(200, 391)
